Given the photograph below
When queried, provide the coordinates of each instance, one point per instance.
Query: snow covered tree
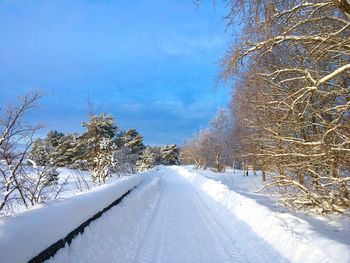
(40, 183)
(147, 160)
(40, 153)
(12, 156)
(219, 131)
(96, 146)
(170, 155)
(67, 150)
(199, 150)
(124, 161)
(133, 140)
(44, 151)
(130, 147)
(21, 183)
(53, 138)
(157, 152)
(214, 146)
(292, 101)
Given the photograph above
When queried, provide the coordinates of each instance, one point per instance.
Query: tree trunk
(263, 173)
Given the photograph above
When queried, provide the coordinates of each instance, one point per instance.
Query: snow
(116, 235)
(299, 238)
(188, 228)
(73, 181)
(177, 214)
(34, 230)
(177, 225)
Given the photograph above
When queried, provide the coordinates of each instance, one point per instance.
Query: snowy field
(71, 182)
(177, 214)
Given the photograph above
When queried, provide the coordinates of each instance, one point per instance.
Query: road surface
(179, 224)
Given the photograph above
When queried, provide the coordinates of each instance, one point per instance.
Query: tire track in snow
(194, 213)
(150, 249)
(188, 227)
(162, 227)
(115, 236)
(146, 247)
(216, 228)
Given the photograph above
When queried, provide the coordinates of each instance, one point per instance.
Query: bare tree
(80, 181)
(293, 102)
(219, 127)
(212, 147)
(199, 150)
(16, 138)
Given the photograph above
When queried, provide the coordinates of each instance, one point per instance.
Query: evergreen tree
(42, 175)
(146, 161)
(45, 151)
(170, 155)
(53, 138)
(133, 140)
(40, 153)
(130, 147)
(51, 176)
(97, 145)
(124, 161)
(157, 152)
(67, 151)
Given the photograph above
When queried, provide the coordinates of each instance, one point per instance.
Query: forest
(289, 110)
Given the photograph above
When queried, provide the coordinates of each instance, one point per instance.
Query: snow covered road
(175, 214)
(168, 220)
(185, 228)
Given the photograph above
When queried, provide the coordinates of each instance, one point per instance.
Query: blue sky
(152, 64)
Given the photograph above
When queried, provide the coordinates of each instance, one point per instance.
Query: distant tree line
(28, 165)
(213, 146)
(103, 149)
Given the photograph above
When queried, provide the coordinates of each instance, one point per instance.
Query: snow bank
(116, 235)
(291, 236)
(25, 235)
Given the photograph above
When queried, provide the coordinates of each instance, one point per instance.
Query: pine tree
(157, 151)
(51, 176)
(66, 151)
(170, 155)
(97, 145)
(53, 138)
(147, 160)
(41, 178)
(123, 161)
(130, 147)
(133, 140)
(44, 151)
(40, 153)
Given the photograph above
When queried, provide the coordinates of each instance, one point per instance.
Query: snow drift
(25, 235)
(291, 236)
